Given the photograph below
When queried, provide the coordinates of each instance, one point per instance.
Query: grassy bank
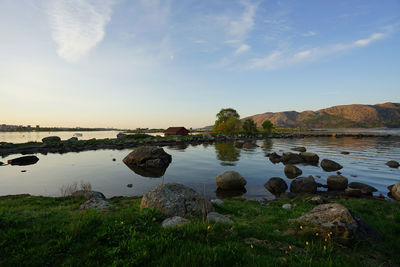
(41, 231)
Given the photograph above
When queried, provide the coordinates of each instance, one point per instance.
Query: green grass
(42, 231)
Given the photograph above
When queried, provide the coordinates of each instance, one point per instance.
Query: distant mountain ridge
(343, 116)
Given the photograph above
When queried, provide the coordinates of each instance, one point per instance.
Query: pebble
(287, 206)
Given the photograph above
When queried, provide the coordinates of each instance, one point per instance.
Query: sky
(160, 63)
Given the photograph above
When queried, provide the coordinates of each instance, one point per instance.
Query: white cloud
(279, 59)
(242, 49)
(199, 41)
(242, 26)
(78, 25)
(309, 34)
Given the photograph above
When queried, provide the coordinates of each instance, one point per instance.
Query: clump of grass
(69, 189)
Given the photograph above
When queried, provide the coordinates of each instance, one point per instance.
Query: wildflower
(301, 227)
(251, 246)
(208, 227)
(324, 247)
(154, 219)
(316, 234)
(290, 247)
(306, 243)
(122, 222)
(326, 239)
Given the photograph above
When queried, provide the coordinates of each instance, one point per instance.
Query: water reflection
(221, 194)
(148, 172)
(179, 147)
(227, 153)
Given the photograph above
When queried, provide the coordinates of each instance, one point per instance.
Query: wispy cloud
(242, 49)
(239, 28)
(279, 59)
(78, 25)
(309, 34)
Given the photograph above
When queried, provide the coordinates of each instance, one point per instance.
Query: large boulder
(292, 171)
(395, 191)
(337, 182)
(276, 186)
(336, 218)
(51, 139)
(309, 157)
(304, 185)
(148, 157)
(23, 161)
(299, 149)
(392, 164)
(364, 188)
(176, 200)
(330, 165)
(230, 180)
(291, 158)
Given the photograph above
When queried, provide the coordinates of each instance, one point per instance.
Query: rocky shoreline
(75, 145)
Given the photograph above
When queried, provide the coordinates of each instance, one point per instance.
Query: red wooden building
(177, 131)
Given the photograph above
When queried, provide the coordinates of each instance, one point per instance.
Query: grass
(43, 231)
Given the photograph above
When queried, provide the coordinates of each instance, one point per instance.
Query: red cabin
(177, 131)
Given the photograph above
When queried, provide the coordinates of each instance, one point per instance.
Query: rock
(121, 135)
(393, 164)
(337, 182)
(353, 192)
(216, 217)
(207, 135)
(238, 144)
(336, 218)
(303, 185)
(330, 165)
(275, 158)
(113, 159)
(148, 157)
(299, 149)
(72, 139)
(23, 161)
(248, 145)
(292, 171)
(309, 157)
(291, 158)
(288, 195)
(395, 191)
(230, 180)
(95, 203)
(276, 185)
(175, 221)
(88, 194)
(217, 201)
(287, 206)
(317, 200)
(51, 139)
(1, 163)
(129, 185)
(23, 170)
(345, 152)
(365, 189)
(176, 200)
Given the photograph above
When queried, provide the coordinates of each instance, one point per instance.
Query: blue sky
(149, 63)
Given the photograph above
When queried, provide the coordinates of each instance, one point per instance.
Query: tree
(267, 126)
(227, 121)
(249, 126)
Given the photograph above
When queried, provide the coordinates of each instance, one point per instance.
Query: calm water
(23, 137)
(197, 166)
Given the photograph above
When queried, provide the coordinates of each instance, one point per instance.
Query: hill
(343, 116)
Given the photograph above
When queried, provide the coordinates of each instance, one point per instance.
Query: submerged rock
(51, 139)
(392, 164)
(337, 182)
(304, 185)
(23, 161)
(336, 218)
(276, 186)
(364, 188)
(216, 217)
(175, 221)
(330, 165)
(292, 171)
(299, 149)
(176, 200)
(230, 180)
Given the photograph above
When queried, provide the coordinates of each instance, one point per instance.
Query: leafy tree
(267, 126)
(249, 126)
(227, 121)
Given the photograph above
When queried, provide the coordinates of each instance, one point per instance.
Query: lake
(197, 166)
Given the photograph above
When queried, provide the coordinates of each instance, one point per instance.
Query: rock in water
(299, 149)
(23, 161)
(303, 185)
(364, 188)
(216, 217)
(330, 165)
(309, 157)
(276, 186)
(148, 157)
(338, 219)
(292, 171)
(51, 139)
(275, 158)
(392, 164)
(337, 182)
(230, 180)
(176, 200)
(174, 222)
(291, 158)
